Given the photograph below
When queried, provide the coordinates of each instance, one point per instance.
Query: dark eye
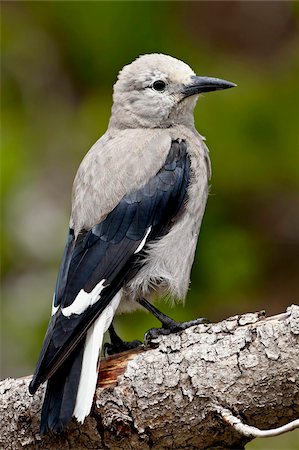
(159, 85)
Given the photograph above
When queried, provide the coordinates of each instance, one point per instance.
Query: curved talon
(123, 346)
(171, 327)
(151, 335)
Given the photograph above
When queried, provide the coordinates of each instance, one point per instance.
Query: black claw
(112, 349)
(117, 345)
(154, 333)
(172, 327)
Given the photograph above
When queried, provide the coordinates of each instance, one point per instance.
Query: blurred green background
(59, 62)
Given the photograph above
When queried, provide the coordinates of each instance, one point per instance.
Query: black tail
(61, 393)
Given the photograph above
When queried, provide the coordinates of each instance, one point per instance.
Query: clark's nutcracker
(138, 201)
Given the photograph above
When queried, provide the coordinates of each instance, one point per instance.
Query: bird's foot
(119, 347)
(171, 326)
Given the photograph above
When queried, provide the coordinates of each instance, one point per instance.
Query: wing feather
(107, 256)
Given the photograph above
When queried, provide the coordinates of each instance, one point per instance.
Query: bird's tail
(61, 393)
(71, 389)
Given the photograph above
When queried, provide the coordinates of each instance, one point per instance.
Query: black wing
(110, 252)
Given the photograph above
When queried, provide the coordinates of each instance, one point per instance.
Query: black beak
(205, 84)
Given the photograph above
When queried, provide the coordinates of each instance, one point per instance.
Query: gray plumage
(134, 148)
(122, 245)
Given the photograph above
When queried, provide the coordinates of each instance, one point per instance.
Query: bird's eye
(159, 85)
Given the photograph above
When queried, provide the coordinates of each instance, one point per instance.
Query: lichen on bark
(170, 396)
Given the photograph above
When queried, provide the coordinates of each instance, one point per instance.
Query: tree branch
(213, 386)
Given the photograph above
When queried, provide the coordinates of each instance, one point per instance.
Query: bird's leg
(168, 325)
(117, 345)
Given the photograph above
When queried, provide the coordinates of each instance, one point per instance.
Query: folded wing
(98, 262)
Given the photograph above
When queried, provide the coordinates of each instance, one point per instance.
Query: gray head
(158, 91)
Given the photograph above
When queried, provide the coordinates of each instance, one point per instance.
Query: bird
(138, 200)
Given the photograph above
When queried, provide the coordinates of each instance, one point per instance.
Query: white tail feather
(91, 357)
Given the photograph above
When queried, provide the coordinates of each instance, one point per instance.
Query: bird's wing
(98, 262)
(118, 163)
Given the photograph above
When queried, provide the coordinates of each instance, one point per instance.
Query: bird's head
(158, 91)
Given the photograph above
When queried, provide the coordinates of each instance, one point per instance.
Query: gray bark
(170, 396)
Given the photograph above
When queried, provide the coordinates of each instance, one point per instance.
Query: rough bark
(172, 396)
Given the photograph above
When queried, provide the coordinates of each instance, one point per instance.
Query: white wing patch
(84, 300)
(142, 243)
(89, 371)
(54, 308)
